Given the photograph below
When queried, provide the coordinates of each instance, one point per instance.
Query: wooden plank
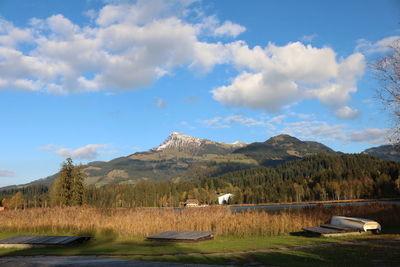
(19, 239)
(181, 236)
(332, 232)
(42, 240)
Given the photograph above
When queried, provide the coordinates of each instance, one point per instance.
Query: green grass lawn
(354, 251)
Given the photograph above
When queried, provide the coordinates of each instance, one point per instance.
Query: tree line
(318, 177)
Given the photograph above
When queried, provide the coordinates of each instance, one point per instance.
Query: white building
(224, 199)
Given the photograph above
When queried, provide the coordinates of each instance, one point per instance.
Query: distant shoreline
(315, 202)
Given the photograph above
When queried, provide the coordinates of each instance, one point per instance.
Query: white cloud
(273, 77)
(10, 35)
(315, 130)
(322, 131)
(88, 152)
(347, 113)
(7, 173)
(367, 47)
(226, 122)
(229, 29)
(303, 116)
(129, 47)
(278, 119)
(217, 122)
(246, 121)
(371, 135)
(309, 129)
(160, 103)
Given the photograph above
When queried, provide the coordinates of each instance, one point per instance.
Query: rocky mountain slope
(182, 157)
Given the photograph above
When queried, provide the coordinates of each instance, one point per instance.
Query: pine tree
(68, 188)
(78, 188)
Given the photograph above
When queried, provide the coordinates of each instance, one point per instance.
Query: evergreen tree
(78, 188)
(68, 188)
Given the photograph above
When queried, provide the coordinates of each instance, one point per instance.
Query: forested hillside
(316, 177)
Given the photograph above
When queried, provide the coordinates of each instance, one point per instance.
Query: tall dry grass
(141, 222)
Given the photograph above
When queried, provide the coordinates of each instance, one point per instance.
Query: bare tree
(387, 71)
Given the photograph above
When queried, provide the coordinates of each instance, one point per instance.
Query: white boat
(356, 223)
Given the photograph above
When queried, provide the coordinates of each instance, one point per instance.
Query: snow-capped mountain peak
(177, 140)
(195, 146)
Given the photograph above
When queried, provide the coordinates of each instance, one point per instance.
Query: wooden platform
(26, 241)
(181, 236)
(332, 230)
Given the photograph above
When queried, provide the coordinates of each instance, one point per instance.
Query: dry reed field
(140, 222)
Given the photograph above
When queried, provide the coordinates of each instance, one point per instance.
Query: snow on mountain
(177, 140)
(185, 143)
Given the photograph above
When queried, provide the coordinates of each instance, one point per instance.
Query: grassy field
(257, 237)
(283, 250)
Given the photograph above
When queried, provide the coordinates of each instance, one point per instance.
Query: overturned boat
(340, 225)
(356, 223)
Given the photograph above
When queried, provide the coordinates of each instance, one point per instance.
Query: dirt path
(110, 260)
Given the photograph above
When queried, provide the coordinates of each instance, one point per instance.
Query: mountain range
(182, 157)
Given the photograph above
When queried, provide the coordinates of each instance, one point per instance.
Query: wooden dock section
(181, 236)
(27, 241)
(332, 230)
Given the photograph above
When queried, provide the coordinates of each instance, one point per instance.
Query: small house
(224, 199)
(191, 203)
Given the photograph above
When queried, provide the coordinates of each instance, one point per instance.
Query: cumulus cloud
(368, 47)
(275, 76)
(129, 46)
(88, 152)
(7, 173)
(347, 113)
(371, 135)
(11, 35)
(230, 29)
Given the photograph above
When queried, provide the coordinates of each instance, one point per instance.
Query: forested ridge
(317, 177)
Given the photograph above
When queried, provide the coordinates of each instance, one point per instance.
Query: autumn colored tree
(17, 201)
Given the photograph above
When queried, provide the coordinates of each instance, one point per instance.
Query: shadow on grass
(303, 234)
(105, 243)
(377, 254)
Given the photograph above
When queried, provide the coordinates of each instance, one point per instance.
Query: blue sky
(97, 79)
